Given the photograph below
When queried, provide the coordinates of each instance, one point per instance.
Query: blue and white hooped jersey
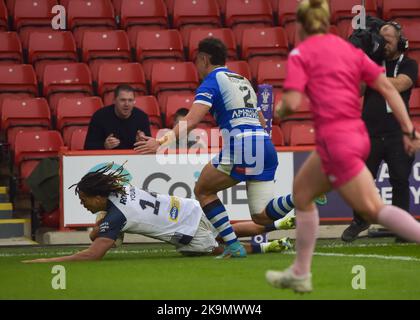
(167, 218)
(232, 100)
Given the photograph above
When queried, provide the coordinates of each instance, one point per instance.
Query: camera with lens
(369, 39)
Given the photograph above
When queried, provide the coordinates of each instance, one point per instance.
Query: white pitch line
(62, 253)
(365, 245)
(375, 256)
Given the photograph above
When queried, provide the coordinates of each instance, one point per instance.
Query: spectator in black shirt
(117, 126)
(384, 130)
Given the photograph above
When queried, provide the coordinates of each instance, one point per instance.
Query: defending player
(247, 154)
(329, 71)
(175, 220)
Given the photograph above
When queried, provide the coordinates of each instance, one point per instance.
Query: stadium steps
(13, 228)
(12, 231)
(6, 210)
(4, 195)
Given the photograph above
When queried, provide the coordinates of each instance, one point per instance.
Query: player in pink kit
(329, 71)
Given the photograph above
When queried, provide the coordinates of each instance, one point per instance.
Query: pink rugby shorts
(343, 148)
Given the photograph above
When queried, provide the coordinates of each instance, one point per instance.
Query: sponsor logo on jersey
(174, 209)
(245, 113)
(103, 227)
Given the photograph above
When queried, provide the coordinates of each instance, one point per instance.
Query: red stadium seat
(275, 6)
(174, 103)
(77, 140)
(272, 72)
(302, 134)
(245, 14)
(168, 77)
(341, 13)
(105, 46)
(117, 7)
(113, 74)
(263, 44)
(30, 114)
(157, 46)
(416, 123)
(46, 47)
(286, 11)
(222, 6)
(138, 15)
(182, 101)
(287, 17)
(150, 106)
(415, 102)
(410, 29)
(90, 15)
(225, 34)
(10, 4)
(170, 6)
(31, 147)
(74, 113)
(240, 67)
(401, 9)
(66, 80)
(10, 48)
(189, 14)
(30, 15)
(3, 17)
(17, 81)
(277, 136)
(333, 29)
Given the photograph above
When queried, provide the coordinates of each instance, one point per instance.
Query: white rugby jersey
(167, 218)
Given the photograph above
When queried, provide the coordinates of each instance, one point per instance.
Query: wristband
(167, 139)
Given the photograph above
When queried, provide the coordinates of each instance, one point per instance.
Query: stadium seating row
(33, 114)
(74, 79)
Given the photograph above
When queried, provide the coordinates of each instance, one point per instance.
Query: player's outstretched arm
(95, 252)
(149, 145)
(289, 104)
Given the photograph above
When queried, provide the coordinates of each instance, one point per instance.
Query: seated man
(175, 220)
(117, 126)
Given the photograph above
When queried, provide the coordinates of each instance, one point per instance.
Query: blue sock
(216, 213)
(256, 248)
(270, 227)
(277, 208)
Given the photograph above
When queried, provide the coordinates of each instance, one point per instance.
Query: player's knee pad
(259, 194)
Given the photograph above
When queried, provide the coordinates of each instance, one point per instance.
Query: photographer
(384, 130)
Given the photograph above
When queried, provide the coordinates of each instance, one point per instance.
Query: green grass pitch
(158, 272)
